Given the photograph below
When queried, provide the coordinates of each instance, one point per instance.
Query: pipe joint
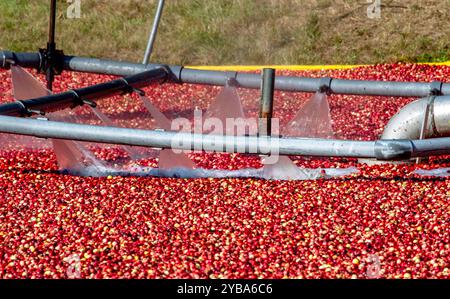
(79, 101)
(128, 89)
(231, 79)
(325, 85)
(436, 88)
(393, 149)
(8, 59)
(25, 111)
(170, 75)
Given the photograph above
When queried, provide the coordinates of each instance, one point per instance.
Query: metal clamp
(51, 59)
(130, 89)
(436, 88)
(7, 59)
(231, 79)
(170, 75)
(393, 149)
(426, 116)
(325, 85)
(28, 112)
(79, 101)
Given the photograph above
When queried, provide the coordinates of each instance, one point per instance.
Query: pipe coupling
(393, 149)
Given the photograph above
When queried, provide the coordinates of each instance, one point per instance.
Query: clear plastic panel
(161, 105)
(312, 120)
(24, 86)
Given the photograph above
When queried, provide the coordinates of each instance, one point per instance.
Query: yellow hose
(243, 68)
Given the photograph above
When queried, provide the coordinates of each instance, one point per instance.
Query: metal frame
(385, 149)
(86, 95)
(380, 149)
(153, 32)
(266, 102)
(144, 74)
(182, 74)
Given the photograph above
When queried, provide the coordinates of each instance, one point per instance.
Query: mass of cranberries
(383, 222)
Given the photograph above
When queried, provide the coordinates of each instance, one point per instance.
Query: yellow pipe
(250, 68)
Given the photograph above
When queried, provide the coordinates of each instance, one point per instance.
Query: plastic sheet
(438, 172)
(303, 174)
(93, 159)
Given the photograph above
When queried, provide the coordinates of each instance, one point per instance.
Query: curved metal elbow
(396, 141)
(407, 123)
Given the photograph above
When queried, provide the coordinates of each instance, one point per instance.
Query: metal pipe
(407, 123)
(154, 31)
(79, 96)
(381, 149)
(285, 83)
(266, 103)
(27, 60)
(424, 125)
(51, 46)
(52, 22)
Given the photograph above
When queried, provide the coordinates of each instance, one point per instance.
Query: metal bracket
(436, 88)
(130, 89)
(426, 115)
(325, 85)
(79, 101)
(7, 59)
(170, 75)
(28, 112)
(231, 79)
(51, 59)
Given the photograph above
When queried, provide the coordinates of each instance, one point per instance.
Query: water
(227, 104)
(140, 171)
(69, 154)
(72, 155)
(107, 121)
(161, 120)
(312, 120)
(437, 172)
(25, 85)
(167, 158)
(75, 158)
(285, 169)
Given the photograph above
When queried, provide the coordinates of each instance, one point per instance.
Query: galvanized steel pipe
(407, 123)
(74, 97)
(381, 149)
(266, 102)
(153, 32)
(286, 83)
